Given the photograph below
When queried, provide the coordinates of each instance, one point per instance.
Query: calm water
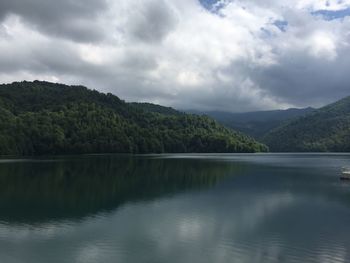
(175, 208)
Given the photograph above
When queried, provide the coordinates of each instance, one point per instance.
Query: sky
(227, 55)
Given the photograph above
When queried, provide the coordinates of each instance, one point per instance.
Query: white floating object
(345, 174)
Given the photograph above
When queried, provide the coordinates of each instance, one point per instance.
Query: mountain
(324, 130)
(46, 118)
(258, 123)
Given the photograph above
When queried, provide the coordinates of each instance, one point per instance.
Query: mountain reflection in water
(175, 208)
(33, 191)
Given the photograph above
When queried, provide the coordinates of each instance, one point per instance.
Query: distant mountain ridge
(39, 118)
(324, 130)
(258, 123)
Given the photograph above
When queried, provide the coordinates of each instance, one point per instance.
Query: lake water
(175, 208)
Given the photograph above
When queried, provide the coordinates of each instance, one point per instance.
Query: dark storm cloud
(304, 82)
(65, 18)
(152, 22)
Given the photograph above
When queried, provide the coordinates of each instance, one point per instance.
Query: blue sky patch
(331, 15)
(281, 24)
(208, 4)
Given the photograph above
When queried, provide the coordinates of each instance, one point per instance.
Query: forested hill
(325, 129)
(258, 123)
(45, 118)
(149, 107)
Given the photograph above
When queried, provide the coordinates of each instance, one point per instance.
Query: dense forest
(323, 130)
(38, 118)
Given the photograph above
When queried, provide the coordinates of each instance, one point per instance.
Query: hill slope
(256, 124)
(325, 129)
(149, 107)
(47, 118)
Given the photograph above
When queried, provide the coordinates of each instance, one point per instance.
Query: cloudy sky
(231, 55)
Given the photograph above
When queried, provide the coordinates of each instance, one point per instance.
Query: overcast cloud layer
(210, 55)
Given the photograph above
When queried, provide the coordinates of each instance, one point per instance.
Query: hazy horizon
(179, 109)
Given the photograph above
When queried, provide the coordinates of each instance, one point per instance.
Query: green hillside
(257, 123)
(324, 130)
(45, 118)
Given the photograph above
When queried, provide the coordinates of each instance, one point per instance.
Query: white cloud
(180, 54)
(323, 45)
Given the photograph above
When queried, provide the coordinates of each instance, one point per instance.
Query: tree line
(42, 118)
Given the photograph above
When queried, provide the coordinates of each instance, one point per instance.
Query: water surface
(175, 208)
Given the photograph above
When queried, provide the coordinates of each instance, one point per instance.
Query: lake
(175, 208)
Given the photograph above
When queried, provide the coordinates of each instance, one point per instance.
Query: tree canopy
(323, 130)
(38, 118)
